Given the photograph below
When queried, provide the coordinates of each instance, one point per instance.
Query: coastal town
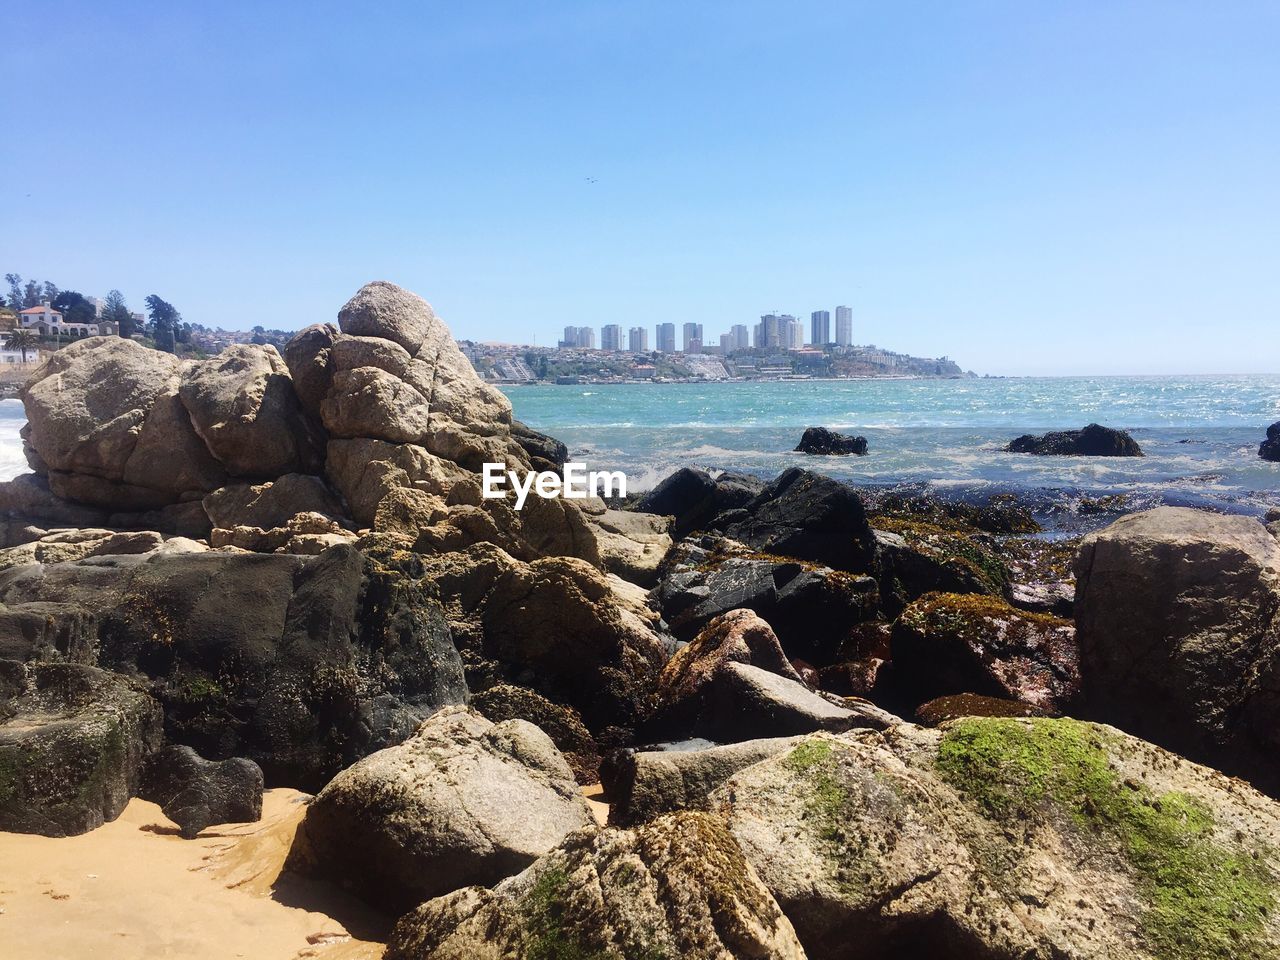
(775, 348)
(38, 318)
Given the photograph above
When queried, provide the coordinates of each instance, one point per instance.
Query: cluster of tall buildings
(775, 331)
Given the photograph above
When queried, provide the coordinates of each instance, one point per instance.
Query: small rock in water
(823, 442)
(1093, 441)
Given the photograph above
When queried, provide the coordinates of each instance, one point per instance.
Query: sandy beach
(133, 888)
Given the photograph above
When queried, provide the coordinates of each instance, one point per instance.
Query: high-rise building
(638, 340)
(666, 334)
(820, 328)
(611, 337)
(726, 343)
(791, 333)
(586, 338)
(570, 338)
(738, 337)
(844, 327)
(769, 333)
(692, 332)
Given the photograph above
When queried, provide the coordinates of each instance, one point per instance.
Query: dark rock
(1270, 447)
(561, 723)
(644, 784)
(195, 793)
(688, 495)
(545, 453)
(951, 643)
(944, 709)
(558, 626)
(72, 740)
(823, 442)
(809, 517)
(279, 658)
(1001, 514)
(917, 558)
(694, 498)
(812, 608)
(854, 678)
(1092, 441)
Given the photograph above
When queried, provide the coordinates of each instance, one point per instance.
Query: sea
(940, 437)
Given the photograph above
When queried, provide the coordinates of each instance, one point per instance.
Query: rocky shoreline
(829, 722)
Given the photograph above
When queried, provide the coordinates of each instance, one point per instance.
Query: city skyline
(773, 332)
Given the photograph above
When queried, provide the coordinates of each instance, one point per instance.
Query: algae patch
(1204, 897)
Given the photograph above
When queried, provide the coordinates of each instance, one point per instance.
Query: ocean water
(1200, 434)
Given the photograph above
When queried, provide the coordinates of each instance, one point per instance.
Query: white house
(8, 357)
(48, 322)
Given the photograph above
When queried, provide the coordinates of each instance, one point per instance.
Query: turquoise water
(1200, 434)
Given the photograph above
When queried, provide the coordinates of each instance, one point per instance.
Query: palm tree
(22, 340)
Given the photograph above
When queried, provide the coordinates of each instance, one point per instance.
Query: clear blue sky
(1028, 187)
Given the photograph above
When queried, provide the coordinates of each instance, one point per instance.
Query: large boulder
(1004, 838)
(820, 441)
(108, 428)
(1091, 441)
(677, 887)
(453, 389)
(195, 793)
(302, 664)
(72, 741)
(947, 643)
(1178, 620)
(242, 405)
(558, 626)
(807, 516)
(463, 801)
(1270, 447)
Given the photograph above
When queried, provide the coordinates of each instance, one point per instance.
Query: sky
(1026, 187)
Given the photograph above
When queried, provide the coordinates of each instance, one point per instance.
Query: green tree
(115, 310)
(164, 322)
(15, 290)
(21, 340)
(75, 307)
(31, 294)
(50, 291)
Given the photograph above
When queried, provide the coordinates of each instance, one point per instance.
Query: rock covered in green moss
(678, 888)
(72, 741)
(919, 557)
(1009, 838)
(948, 643)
